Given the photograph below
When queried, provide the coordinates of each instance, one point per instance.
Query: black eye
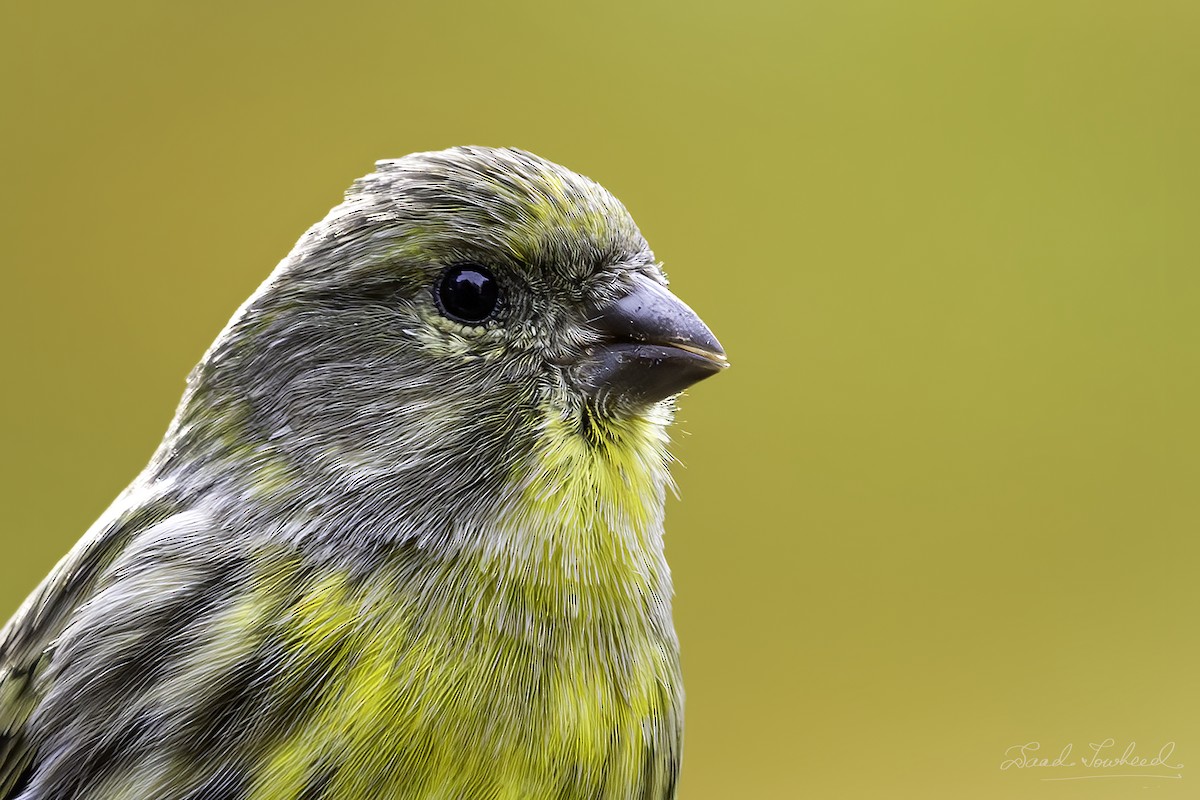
(468, 294)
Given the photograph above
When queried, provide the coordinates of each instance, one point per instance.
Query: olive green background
(946, 500)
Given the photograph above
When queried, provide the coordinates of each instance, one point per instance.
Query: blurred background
(945, 502)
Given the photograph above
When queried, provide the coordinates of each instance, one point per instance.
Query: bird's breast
(538, 662)
(470, 693)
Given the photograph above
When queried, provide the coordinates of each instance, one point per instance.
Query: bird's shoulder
(28, 642)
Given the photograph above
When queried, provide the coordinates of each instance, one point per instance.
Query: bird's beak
(652, 345)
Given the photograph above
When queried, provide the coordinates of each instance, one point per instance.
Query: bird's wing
(27, 642)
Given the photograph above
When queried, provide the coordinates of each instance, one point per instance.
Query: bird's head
(455, 310)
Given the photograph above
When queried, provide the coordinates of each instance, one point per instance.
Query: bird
(404, 536)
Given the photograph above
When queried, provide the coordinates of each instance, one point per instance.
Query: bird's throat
(583, 525)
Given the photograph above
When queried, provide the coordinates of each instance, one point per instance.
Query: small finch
(403, 537)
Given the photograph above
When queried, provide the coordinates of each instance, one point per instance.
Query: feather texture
(380, 553)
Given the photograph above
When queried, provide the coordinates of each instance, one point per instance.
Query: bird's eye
(468, 294)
